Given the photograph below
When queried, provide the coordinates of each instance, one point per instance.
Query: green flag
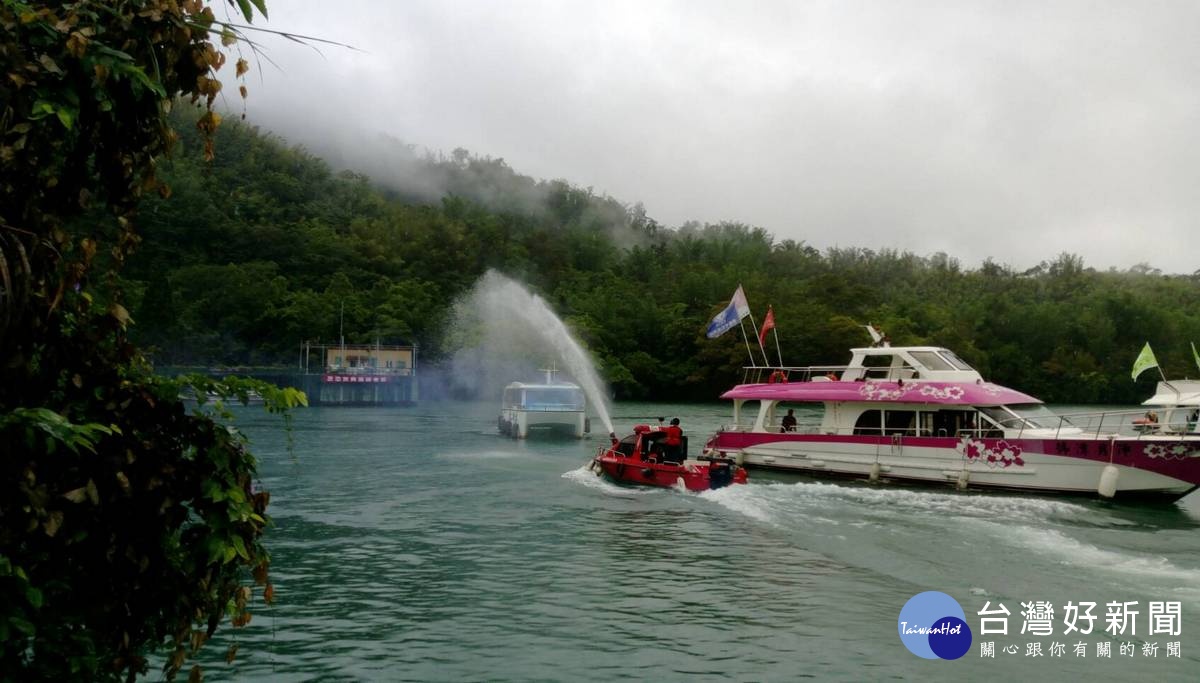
(1195, 355)
(1145, 361)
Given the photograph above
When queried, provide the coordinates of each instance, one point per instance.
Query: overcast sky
(1007, 130)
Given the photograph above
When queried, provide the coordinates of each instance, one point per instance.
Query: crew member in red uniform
(674, 440)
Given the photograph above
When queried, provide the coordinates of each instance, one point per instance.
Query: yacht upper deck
(900, 374)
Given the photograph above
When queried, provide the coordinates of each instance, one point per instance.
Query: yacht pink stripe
(915, 391)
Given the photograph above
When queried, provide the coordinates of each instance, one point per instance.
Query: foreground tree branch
(128, 522)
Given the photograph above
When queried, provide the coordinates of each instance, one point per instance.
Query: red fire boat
(646, 458)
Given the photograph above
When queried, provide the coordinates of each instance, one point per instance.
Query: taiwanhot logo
(933, 625)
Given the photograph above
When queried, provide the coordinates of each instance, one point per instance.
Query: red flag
(768, 323)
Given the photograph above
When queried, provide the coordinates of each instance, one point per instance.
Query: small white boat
(549, 407)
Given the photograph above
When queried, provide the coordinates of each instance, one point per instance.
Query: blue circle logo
(933, 626)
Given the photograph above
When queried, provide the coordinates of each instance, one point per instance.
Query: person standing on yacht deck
(788, 423)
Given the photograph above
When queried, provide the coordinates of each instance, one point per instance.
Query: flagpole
(777, 351)
(748, 353)
(766, 361)
(1164, 379)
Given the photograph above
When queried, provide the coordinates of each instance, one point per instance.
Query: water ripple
(424, 548)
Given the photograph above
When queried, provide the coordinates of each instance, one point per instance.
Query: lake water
(418, 544)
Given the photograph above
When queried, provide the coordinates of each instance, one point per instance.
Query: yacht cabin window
(869, 423)
(937, 423)
(779, 415)
(888, 366)
(745, 413)
(902, 422)
(876, 367)
(952, 423)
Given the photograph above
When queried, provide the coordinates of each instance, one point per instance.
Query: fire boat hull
(691, 475)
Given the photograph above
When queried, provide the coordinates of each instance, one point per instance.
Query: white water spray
(500, 324)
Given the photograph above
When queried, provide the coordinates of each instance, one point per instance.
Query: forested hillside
(242, 276)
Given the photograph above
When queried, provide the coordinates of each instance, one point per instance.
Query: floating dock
(357, 374)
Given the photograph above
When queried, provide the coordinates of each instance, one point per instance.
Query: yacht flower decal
(991, 389)
(875, 391)
(952, 393)
(1171, 451)
(1002, 454)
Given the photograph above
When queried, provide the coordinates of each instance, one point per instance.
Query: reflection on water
(419, 545)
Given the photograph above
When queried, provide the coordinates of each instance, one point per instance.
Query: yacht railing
(1104, 424)
(762, 374)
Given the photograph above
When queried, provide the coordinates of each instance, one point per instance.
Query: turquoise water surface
(418, 544)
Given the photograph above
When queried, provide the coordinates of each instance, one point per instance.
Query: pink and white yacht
(921, 414)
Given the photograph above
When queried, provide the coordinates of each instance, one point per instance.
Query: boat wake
(902, 530)
(1075, 553)
(587, 478)
(481, 455)
(771, 502)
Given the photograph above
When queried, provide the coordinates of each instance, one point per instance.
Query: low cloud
(1006, 130)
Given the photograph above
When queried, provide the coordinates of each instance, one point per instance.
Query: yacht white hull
(1142, 467)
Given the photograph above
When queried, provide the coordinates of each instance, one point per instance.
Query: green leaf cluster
(128, 523)
(114, 539)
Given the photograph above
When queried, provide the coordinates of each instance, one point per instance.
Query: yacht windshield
(1038, 415)
(955, 360)
(931, 360)
(1001, 417)
(1025, 416)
